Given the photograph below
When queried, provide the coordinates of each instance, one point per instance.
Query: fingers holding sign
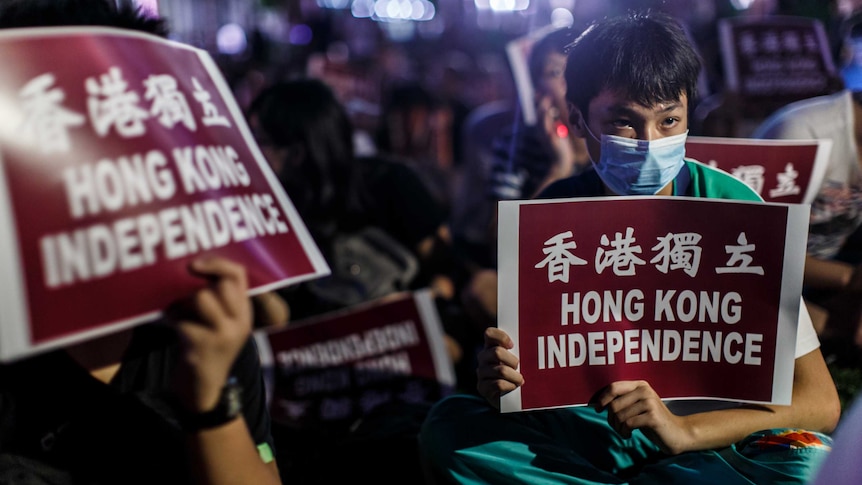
(214, 330)
(497, 367)
(635, 405)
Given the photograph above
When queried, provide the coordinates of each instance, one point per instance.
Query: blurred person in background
(833, 278)
(517, 163)
(532, 157)
(306, 136)
(416, 127)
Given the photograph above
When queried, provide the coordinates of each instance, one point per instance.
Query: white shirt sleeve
(806, 337)
(806, 341)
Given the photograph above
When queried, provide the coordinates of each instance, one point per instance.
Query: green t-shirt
(694, 180)
(712, 183)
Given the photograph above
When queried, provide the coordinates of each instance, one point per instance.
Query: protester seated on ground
(470, 221)
(833, 280)
(629, 434)
(531, 157)
(519, 159)
(143, 405)
(416, 127)
(306, 136)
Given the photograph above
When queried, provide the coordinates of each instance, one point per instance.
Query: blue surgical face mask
(639, 167)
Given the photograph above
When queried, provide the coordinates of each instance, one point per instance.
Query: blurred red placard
(338, 367)
(784, 171)
(124, 155)
(770, 61)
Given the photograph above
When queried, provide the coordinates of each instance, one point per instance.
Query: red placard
(123, 156)
(684, 293)
(337, 367)
(773, 60)
(785, 171)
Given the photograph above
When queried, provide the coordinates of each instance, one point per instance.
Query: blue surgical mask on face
(639, 167)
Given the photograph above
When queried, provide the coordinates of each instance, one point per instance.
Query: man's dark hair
(646, 57)
(54, 13)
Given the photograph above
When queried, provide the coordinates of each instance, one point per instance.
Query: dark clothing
(396, 201)
(381, 445)
(126, 432)
(473, 211)
(587, 184)
(521, 163)
(506, 161)
(399, 202)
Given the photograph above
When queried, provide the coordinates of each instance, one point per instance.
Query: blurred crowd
(455, 120)
(425, 147)
(411, 152)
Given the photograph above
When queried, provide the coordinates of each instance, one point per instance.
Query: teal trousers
(465, 440)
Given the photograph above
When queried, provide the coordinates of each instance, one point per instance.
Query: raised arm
(213, 338)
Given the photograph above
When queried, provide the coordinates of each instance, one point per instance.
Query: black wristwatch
(228, 408)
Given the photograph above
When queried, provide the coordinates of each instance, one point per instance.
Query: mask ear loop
(594, 137)
(581, 123)
(583, 127)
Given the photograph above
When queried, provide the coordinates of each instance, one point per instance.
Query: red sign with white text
(124, 156)
(338, 367)
(684, 293)
(770, 61)
(784, 171)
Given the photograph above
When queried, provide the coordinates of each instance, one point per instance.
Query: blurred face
(613, 114)
(553, 81)
(274, 155)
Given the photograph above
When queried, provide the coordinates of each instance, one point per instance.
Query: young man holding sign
(630, 80)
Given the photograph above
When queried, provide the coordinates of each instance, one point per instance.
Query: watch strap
(228, 408)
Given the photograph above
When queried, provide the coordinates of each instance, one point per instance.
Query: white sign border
(789, 298)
